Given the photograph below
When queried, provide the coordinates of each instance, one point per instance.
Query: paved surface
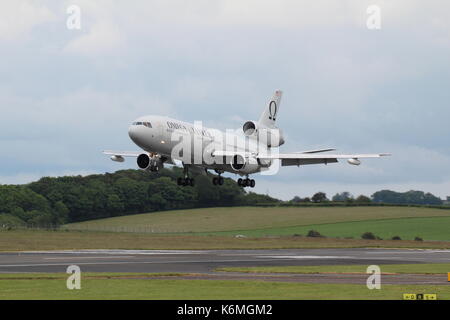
(202, 263)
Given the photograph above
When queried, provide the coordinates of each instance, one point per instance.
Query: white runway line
(308, 257)
(132, 262)
(111, 257)
(123, 252)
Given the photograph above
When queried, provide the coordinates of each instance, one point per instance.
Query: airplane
(250, 150)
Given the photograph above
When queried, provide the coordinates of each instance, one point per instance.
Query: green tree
(114, 205)
(343, 196)
(61, 213)
(362, 199)
(319, 197)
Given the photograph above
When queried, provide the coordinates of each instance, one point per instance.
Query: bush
(418, 239)
(368, 236)
(396, 238)
(313, 233)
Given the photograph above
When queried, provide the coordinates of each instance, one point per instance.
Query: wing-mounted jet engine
(151, 162)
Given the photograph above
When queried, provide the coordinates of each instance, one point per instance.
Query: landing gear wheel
(215, 181)
(220, 180)
(188, 182)
(246, 182)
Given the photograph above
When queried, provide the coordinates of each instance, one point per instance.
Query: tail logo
(272, 110)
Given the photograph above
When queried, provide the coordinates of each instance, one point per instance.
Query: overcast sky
(67, 94)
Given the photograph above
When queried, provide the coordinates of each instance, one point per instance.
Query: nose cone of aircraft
(137, 134)
(132, 132)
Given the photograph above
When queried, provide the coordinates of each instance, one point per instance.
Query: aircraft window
(139, 123)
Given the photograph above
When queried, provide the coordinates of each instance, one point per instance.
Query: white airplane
(254, 149)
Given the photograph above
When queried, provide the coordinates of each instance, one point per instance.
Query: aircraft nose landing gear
(246, 182)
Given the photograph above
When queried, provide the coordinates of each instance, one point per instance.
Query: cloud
(70, 131)
(19, 17)
(65, 95)
(23, 178)
(102, 38)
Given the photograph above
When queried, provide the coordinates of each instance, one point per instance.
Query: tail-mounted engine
(272, 137)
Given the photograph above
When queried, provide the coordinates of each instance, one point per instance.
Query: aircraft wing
(122, 153)
(303, 158)
(296, 159)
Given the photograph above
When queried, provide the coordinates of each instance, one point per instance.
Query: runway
(201, 264)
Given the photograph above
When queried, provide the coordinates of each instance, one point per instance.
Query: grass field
(265, 228)
(426, 268)
(385, 222)
(24, 286)
(61, 240)
(435, 228)
(18, 240)
(249, 218)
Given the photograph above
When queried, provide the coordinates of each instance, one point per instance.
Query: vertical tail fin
(270, 113)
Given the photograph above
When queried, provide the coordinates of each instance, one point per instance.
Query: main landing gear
(186, 181)
(219, 179)
(246, 182)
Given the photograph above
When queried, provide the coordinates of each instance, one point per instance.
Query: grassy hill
(406, 222)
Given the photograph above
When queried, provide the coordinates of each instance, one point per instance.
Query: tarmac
(201, 264)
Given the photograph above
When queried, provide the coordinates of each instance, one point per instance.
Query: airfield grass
(51, 287)
(28, 240)
(263, 228)
(425, 268)
(435, 228)
(250, 218)
(343, 222)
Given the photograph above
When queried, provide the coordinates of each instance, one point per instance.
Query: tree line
(383, 196)
(59, 200)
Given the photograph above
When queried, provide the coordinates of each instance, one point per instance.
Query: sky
(67, 94)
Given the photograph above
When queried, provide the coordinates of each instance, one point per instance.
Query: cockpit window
(139, 123)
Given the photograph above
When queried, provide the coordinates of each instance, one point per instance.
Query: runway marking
(309, 257)
(412, 252)
(124, 252)
(112, 257)
(132, 262)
